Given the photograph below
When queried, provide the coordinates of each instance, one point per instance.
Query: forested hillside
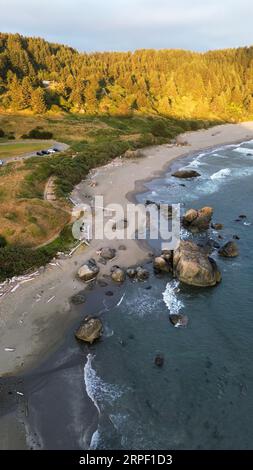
(42, 77)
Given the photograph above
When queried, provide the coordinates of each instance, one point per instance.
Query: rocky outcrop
(142, 274)
(118, 274)
(179, 320)
(186, 174)
(88, 271)
(163, 263)
(139, 273)
(229, 250)
(131, 272)
(193, 266)
(198, 220)
(90, 330)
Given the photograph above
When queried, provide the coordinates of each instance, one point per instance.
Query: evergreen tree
(38, 103)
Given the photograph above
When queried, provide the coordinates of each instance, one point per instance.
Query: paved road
(44, 146)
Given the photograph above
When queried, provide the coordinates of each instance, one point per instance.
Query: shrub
(38, 134)
(15, 260)
(2, 134)
(159, 129)
(3, 241)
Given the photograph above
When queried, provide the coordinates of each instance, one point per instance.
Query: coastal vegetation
(27, 220)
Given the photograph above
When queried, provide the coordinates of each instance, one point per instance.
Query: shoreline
(40, 312)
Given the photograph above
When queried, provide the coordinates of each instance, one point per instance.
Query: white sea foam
(221, 174)
(184, 234)
(95, 440)
(197, 161)
(143, 306)
(171, 299)
(244, 150)
(99, 391)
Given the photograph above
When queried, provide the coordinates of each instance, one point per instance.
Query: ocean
(112, 395)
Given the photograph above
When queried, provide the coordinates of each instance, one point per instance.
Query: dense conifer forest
(43, 77)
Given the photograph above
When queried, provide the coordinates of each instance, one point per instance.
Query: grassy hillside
(26, 220)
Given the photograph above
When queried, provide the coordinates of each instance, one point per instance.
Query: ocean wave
(170, 298)
(197, 161)
(244, 150)
(221, 174)
(99, 391)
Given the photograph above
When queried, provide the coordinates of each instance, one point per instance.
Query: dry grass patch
(26, 221)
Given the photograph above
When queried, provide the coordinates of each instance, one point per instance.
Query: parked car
(39, 153)
(44, 152)
(1, 162)
(51, 151)
(56, 150)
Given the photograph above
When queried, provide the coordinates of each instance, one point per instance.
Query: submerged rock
(88, 271)
(217, 226)
(78, 299)
(229, 250)
(90, 330)
(193, 266)
(179, 320)
(186, 174)
(159, 360)
(118, 274)
(198, 220)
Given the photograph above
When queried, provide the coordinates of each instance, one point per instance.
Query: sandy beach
(35, 316)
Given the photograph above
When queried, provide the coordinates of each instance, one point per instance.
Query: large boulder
(90, 330)
(118, 274)
(88, 271)
(107, 253)
(193, 266)
(229, 250)
(198, 220)
(186, 174)
(161, 264)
